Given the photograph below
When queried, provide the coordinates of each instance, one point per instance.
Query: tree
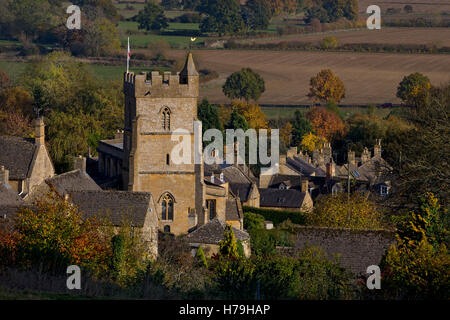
(222, 16)
(325, 124)
(332, 10)
(228, 246)
(412, 88)
(106, 8)
(329, 43)
(286, 134)
(416, 267)
(152, 17)
(236, 121)
(201, 257)
(256, 14)
(244, 84)
(117, 244)
(300, 127)
(326, 86)
(254, 116)
(311, 142)
(100, 38)
(4, 79)
(191, 4)
(170, 4)
(336, 211)
(208, 114)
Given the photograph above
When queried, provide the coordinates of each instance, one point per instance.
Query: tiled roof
(212, 233)
(75, 180)
(303, 167)
(10, 201)
(289, 198)
(16, 155)
(277, 179)
(232, 212)
(117, 205)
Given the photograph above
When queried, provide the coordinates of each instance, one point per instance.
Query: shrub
(278, 216)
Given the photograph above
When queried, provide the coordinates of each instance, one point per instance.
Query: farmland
(368, 78)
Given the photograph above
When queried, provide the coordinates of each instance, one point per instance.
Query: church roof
(17, 155)
(189, 67)
(116, 205)
(212, 233)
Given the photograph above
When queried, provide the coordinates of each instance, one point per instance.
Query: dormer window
(165, 119)
(384, 190)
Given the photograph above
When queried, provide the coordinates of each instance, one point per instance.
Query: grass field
(368, 78)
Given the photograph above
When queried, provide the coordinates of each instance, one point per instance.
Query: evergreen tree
(237, 121)
(301, 126)
(228, 246)
(201, 257)
(208, 114)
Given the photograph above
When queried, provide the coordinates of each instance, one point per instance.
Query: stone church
(140, 156)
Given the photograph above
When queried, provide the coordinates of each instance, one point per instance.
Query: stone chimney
(79, 163)
(305, 185)
(292, 151)
(351, 157)
(118, 135)
(4, 175)
(39, 131)
(377, 148)
(365, 156)
(327, 152)
(331, 170)
(318, 157)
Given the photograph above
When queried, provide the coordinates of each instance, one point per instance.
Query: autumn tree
(326, 86)
(311, 142)
(336, 211)
(4, 79)
(325, 124)
(286, 134)
(245, 84)
(412, 88)
(252, 113)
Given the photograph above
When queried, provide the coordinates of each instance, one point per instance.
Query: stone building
(27, 160)
(140, 157)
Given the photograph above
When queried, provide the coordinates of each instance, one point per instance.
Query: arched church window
(165, 119)
(167, 207)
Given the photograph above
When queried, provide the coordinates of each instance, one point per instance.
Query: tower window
(167, 207)
(211, 206)
(167, 159)
(165, 119)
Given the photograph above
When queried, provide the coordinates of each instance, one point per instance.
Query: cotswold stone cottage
(27, 160)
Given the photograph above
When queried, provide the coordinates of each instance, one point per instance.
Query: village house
(27, 160)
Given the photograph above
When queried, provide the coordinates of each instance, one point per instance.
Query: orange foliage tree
(326, 124)
(326, 86)
(252, 113)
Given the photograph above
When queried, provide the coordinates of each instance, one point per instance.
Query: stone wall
(357, 249)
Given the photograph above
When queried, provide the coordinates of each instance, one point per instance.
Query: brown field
(368, 78)
(419, 6)
(430, 36)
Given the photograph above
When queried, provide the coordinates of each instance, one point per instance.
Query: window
(167, 159)
(165, 119)
(167, 229)
(211, 206)
(167, 207)
(383, 190)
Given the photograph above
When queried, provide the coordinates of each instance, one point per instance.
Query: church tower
(155, 106)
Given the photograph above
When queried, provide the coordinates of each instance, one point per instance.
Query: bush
(278, 216)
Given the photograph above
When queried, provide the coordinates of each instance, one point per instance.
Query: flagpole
(128, 55)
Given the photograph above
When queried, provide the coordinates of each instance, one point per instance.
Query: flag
(128, 55)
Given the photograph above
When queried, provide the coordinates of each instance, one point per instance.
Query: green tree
(301, 126)
(201, 257)
(222, 16)
(191, 4)
(256, 14)
(117, 244)
(228, 246)
(208, 114)
(332, 10)
(152, 17)
(245, 84)
(412, 88)
(236, 121)
(105, 7)
(170, 4)
(100, 38)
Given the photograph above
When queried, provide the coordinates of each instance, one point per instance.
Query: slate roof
(16, 155)
(114, 204)
(212, 233)
(303, 167)
(10, 201)
(290, 198)
(293, 180)
(75, 180)
(232, 212)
